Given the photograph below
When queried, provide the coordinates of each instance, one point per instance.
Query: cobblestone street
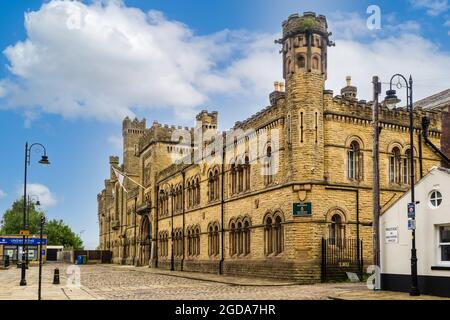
(113, 282)
(123, 282)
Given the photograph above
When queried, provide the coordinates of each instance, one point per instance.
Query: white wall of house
(396, 250)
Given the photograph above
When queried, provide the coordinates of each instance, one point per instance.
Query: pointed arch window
(247, 173)
(394, 166)
(268, 174)
(232, 239)
(301, 61)
(246, 237)
(336, 230)
(355, 162)
(315, 63)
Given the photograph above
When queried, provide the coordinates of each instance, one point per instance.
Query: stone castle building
(250, 214)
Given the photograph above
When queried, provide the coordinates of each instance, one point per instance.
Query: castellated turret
(305, 41)
(349, 91)
(304, 50)
(132, 130)
(207, 120)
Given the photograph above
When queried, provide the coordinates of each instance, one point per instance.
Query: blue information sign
(411, 210)
(19, 241)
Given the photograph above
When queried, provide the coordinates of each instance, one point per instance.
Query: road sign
(411, 210)
(24, 232)
(19, 241)
(411, 224)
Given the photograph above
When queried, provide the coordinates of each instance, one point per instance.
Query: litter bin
(6, 261)
(79, 259)
(84, 259)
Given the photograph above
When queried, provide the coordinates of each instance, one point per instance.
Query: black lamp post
(37, 203)
(391, 100)
(44, 160)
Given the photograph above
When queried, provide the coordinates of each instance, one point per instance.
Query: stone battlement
(308, 22)
(160, 133)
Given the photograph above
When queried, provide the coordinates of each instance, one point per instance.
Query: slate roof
(436, 101)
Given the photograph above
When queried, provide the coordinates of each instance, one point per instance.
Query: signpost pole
(40, 255)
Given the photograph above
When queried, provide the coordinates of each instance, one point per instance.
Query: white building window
(435, 199)
(444, 245)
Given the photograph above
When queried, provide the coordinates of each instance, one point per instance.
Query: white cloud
(2, 194)
(41, 192)
(116, 142)
(433, 7)
(105, 60)
(385, 56)
(111, 61)
(353, 26)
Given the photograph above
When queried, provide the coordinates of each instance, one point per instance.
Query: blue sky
(69, 87)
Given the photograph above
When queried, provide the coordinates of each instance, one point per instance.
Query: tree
(57, 232)
(12, 220)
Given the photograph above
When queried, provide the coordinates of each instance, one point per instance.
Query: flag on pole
(121, 177)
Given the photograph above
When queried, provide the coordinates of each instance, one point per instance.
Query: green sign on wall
(302, 209)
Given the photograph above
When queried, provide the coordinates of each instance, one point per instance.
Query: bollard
(56, 276)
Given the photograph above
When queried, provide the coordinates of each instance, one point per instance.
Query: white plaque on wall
(391, 234)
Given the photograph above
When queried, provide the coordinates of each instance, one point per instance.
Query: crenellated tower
(132, 130)
(304, 48)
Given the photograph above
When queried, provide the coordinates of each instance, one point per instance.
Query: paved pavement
(142, 283)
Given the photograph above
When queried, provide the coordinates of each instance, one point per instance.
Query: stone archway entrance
(146, 241)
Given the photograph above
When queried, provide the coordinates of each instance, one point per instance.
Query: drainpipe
(156, 223)
(183, 173)
(222, 202)
(425, 125)
(172, 267)
(135, 221)
(420, 155)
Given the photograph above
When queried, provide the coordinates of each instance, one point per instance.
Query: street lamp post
(37, 203)
(391, 100)
(44, 160)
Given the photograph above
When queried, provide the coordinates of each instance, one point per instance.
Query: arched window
(197, 191)
(336, 230)
(213, 183)
(273, 234)
(180, 243)
(233, 178)
(232, 239)
(197, 241)
(189, 192)
(211, 186)
(211, 241)
(216, 239)
(189, 238)
(240, 174)
(355, 162)
(216, 184)
(246, 237)
(268, 174)
(278, 233)
(406, 167)
(239, 238)
(247, 173)
(315, 63)
(268, 235)
(394, 166)
(301, 62)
